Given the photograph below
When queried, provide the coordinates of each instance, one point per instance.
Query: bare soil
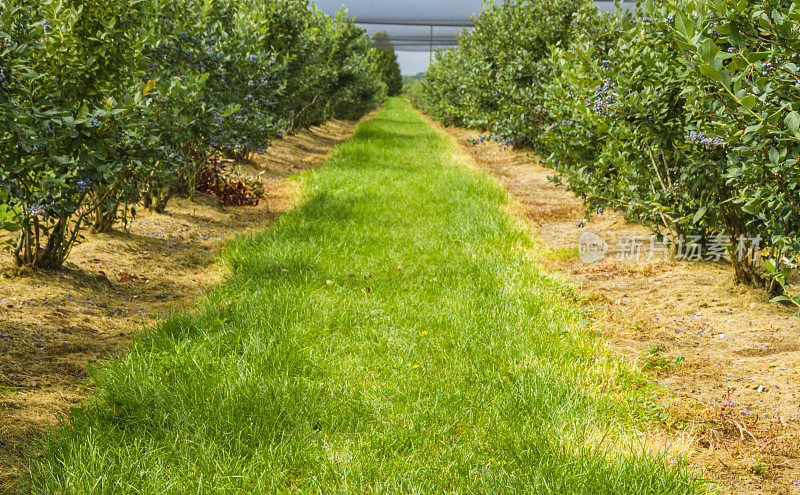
(52, 324)
(726, 359)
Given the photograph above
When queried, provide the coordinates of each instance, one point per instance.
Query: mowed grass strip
(392, 335)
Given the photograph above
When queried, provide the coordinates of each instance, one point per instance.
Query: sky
(445, 11)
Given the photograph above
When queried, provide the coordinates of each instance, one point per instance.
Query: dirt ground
(726, 358)
(53, 323)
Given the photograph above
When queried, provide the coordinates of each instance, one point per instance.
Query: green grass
(392, 335)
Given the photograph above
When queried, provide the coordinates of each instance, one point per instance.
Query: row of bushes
(106, 103)
(682, 115)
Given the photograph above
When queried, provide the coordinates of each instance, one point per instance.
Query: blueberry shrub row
(105, 104)
(681, 115)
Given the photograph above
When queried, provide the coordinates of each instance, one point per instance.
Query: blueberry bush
(388, 66)
(745, 57)
(106, 104)
(681, 115)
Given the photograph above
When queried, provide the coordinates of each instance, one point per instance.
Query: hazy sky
(411, 62)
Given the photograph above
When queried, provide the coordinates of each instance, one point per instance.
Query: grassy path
(391, 335)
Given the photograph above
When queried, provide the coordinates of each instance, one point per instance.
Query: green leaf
(753, 57)
(709, 50)
(793, 123)
(684, 25)
(699, 214)
(774, 155)
(748, 102)
(711, 72)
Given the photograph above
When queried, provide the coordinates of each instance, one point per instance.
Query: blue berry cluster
(36, 210)
(698, 138)
(84, 185)
(503, 139)
(605, 98)
(483, 138)
(186, 37)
